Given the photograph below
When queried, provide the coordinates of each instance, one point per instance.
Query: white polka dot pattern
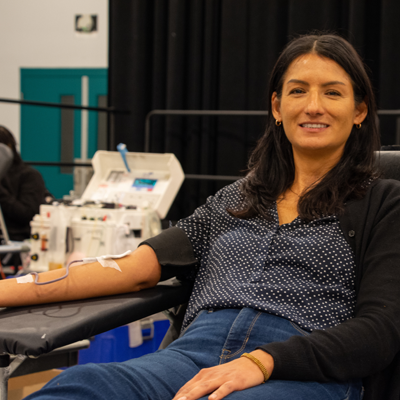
(304, 272)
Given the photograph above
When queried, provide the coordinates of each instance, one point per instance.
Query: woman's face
(317, 106)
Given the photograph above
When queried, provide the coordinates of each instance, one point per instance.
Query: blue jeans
(214, 337)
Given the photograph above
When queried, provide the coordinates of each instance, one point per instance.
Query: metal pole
(6, 370)
(111, 124)
(397, 130)
(4, 366)
(84, 117)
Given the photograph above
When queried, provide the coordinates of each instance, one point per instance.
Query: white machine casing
(136, 201)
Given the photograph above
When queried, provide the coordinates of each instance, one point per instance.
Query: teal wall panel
(41, 126)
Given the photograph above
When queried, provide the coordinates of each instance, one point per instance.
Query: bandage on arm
(105, 261)
(139, 270)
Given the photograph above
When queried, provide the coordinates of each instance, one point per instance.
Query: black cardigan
(22, 191)
(366, 346)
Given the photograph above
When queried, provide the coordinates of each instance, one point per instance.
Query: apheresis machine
(122, 205)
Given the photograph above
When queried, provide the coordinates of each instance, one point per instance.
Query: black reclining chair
(27, 333)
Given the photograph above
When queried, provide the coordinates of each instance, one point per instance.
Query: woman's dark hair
(271, 166)
(8, 139)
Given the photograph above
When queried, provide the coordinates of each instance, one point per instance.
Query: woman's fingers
(203, 383)
(223, 391)
(221, 380)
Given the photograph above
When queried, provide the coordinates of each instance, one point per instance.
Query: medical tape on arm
(107, 261)
(25, 279)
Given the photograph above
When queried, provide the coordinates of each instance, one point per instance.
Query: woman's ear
(360, 112)
(276, 106)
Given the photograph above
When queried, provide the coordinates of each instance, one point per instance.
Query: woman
(296, 279)
(22, 191)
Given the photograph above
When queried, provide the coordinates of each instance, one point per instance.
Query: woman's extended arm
(139, 270)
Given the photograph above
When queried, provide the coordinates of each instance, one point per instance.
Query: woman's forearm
(139, 270)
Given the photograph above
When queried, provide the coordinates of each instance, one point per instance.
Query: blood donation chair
(31, 337)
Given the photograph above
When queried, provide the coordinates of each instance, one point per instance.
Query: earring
(358, 126)
(278, 123)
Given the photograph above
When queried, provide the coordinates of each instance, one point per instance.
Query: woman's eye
(296, 91)
(332, 93)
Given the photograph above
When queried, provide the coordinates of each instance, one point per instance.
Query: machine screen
(148, 184)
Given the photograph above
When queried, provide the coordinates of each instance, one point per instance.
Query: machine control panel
(153, 180)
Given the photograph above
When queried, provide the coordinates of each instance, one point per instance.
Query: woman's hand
(224, 379)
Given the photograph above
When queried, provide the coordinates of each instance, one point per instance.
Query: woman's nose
(314, 105)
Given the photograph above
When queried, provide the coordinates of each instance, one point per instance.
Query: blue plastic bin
(113, 346)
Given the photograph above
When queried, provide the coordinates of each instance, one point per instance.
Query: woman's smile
(314, 126)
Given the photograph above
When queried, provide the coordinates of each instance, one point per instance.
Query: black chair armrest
(36, 330)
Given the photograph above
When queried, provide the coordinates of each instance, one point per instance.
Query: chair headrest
(389, 163)
(6, 158)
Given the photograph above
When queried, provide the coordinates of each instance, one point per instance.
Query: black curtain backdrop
(217, 55)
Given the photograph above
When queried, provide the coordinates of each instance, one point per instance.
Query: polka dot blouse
(303, 272)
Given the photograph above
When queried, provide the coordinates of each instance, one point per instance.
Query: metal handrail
(187, 176)
(60, 105)
(182, 113)
(58, 164)
(388, 112)
(216, 113)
